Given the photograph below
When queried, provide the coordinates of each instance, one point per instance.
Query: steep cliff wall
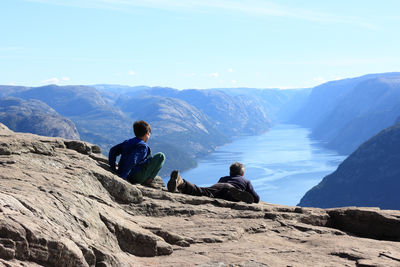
(370, 176)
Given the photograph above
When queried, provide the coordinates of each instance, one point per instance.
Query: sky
(196, 43)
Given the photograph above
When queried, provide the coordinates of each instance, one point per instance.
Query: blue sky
(196, 43)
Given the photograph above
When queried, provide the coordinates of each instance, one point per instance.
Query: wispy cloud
(131, 73)
(55, 80)
(51, 81)
(214, 75)
(249, 7)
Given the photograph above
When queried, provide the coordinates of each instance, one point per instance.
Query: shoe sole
(239, 195)
(172, 182)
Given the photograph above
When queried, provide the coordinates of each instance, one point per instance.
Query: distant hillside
(7, 90)
(34, 116)
(186, 124)
(96, 120)
(346, 113)
(279, 105)
(234, 116)
(368, 177)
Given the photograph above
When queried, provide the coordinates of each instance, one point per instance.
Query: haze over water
(282, 164)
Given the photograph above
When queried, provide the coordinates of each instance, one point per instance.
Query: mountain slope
(368, 177)
(346, 113)
(233, 116)
(279, 105)
(96, 120)
(34, 116)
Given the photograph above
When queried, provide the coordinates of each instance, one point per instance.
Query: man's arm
(251, 190)
(115, 151)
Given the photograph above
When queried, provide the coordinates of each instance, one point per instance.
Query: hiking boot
(239, 195)
(174, 181)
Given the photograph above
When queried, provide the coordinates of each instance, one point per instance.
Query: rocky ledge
(60, 206)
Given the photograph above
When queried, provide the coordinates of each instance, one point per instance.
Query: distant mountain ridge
(34, 116)
(368, 177)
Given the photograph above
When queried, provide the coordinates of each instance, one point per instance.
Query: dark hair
(141, 128)
(236, 169)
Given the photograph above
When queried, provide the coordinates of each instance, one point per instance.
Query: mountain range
(185, 124)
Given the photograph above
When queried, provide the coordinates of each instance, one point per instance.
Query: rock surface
(60, 206)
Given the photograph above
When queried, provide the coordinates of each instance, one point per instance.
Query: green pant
(148, 170)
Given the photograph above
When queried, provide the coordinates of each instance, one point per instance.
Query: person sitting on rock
(136, 164)
(234, 187)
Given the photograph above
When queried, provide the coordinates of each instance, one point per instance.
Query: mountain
(346, 113)
(34, 116)
(111, 92)
(61, 206)
(234, 116)
(96, 120)
(279, 105)
(370, 176)
(7, 90)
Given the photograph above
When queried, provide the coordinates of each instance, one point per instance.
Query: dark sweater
(241, 183)
(134, 153)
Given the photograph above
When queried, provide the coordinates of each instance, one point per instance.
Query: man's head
(236, 169)
(142, 130)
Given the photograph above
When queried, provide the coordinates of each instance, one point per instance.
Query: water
(282, 164)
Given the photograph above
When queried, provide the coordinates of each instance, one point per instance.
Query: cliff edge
(60, 206)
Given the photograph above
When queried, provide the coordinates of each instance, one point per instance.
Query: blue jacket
(134, 153)
(241, 183)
